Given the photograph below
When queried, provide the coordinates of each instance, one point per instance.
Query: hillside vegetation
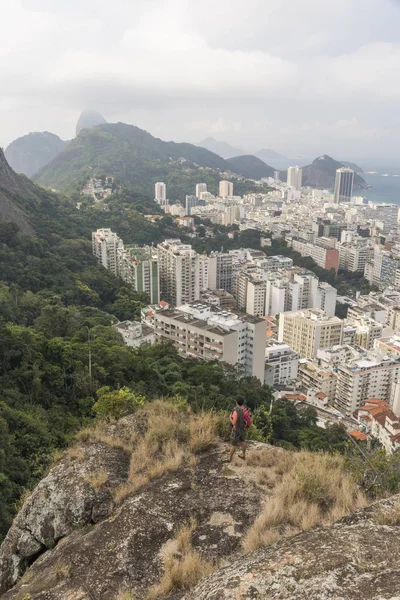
(31, 152)
(137, 159)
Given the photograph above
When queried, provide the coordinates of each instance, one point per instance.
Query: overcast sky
(298, 76)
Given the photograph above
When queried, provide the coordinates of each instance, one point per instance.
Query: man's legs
(232, 452)
(244, 446)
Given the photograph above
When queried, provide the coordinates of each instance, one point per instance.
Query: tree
(116, 404)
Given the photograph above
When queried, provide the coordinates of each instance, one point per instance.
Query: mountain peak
(89, 119)
(29, 153)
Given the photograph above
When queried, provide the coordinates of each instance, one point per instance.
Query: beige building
(225, 189)
(202, 331)
(306, 331)
(318, 378)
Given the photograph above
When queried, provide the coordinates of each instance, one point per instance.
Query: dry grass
(125, 595)
(202, 432)
(312, 489)
(98, 479)
(75, 453)
(61, 572)
(184, 566)
(99, 433)
(388, 516)
(173, 435)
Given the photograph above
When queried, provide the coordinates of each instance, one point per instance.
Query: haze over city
(299, 76)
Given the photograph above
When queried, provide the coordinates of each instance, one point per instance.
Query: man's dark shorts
(237, 437)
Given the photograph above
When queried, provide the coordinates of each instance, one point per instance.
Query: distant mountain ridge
(29, 153)
(250, 166)
(221, 148)
(137, 159)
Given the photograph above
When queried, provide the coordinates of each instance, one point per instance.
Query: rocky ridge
(77, 537)
(70, 540)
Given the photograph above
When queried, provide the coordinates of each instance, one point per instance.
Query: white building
(179, 268)
(343, 185)
(105, 245)
(225, 189)
(160, 193)
(135, 334)
(325, 298)
(368, 375)
(281, 364)
(354, 257)
(202, 331)
(306, 331)
(295, 177)
(201, 188)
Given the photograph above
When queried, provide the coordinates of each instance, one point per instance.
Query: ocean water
(384, 189)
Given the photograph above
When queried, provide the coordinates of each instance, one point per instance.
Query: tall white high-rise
(200, 189)
(160, 193)
(179, 268)
(105, 245)
(295, 177)
(225, 189)
(343, 185)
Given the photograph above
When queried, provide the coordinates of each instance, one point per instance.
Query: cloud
(299, 75)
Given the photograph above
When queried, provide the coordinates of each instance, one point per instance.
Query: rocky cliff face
(358, 557)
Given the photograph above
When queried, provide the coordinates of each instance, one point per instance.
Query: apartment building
(295, 291)
(368, 375)
(105, 245)
(381, 423)
(327, 258)
(225, 189)
(139, 267)
(203, 331)
(383, 268)
(281, 364)
(306, 331)
(320, 379)
(362, 331)
(220, 271)
(179, 268)
(250, 291)
(354, 257)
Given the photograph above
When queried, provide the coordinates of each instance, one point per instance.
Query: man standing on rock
(240, 421)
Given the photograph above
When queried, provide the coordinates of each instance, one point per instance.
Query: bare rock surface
(356, 558)
(72, 541)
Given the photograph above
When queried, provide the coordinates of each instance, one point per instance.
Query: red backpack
(246, 416)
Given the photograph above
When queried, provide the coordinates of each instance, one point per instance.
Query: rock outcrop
(90, 530)
(71, 541)
(358, 557)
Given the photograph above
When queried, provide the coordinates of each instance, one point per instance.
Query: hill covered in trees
(135, 158)
(250, 166)
(31, 152)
